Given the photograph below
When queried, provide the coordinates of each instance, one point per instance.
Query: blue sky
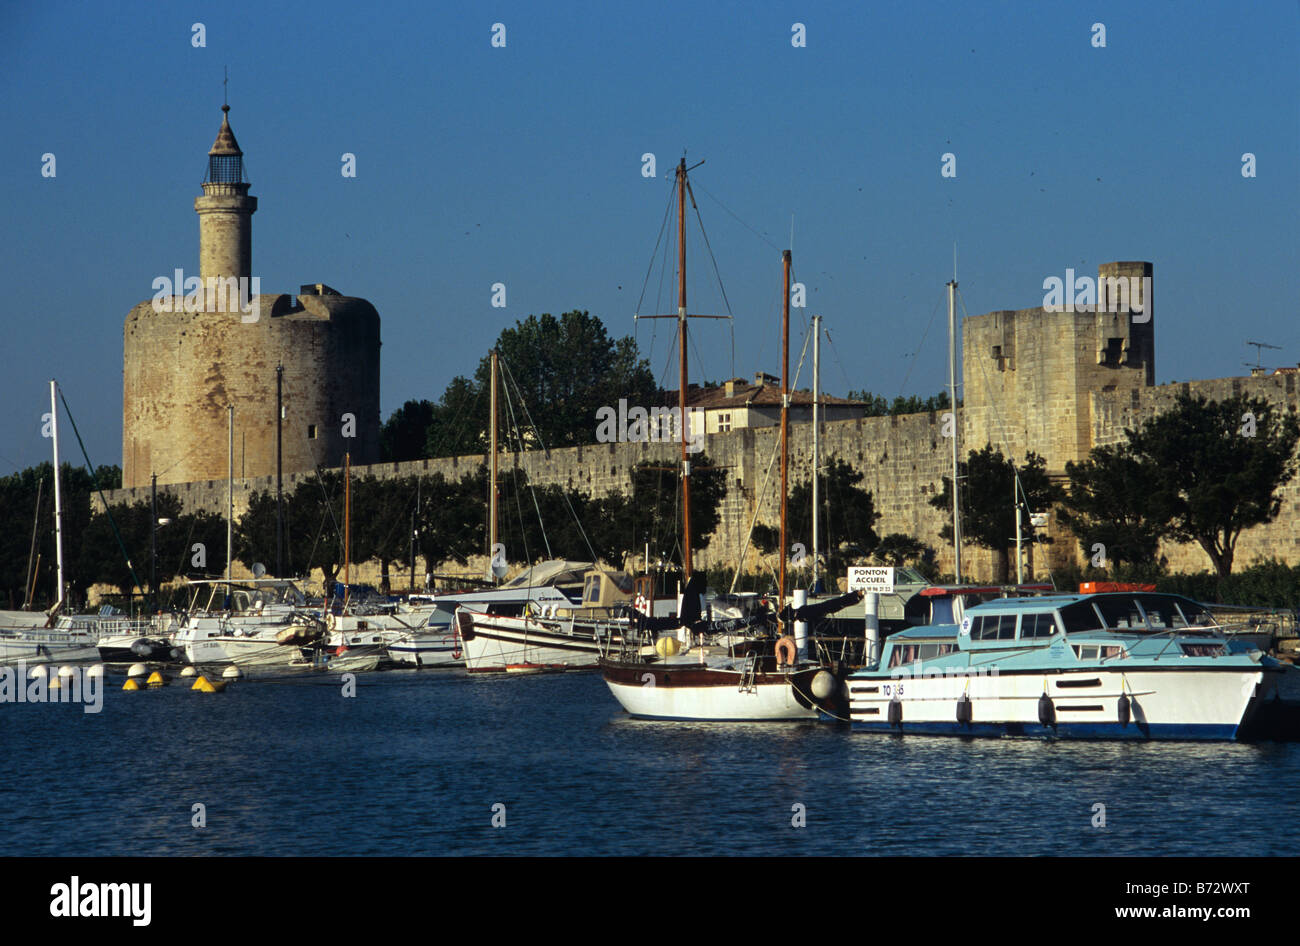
(522, 165)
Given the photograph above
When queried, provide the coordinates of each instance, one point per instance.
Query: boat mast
(956, 427)
(816, 456)
(681, 343)
(347, 527)
(785, 415)
(58, 500)
(279, 472)
(492, 480)
(230, 489)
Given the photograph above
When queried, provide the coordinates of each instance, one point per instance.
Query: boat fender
(823, 684)
(1125, 709)
(896, 712)
(964, 710)
(1046, 711)
(786, 651)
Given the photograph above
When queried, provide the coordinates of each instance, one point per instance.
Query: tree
(898, 549)
(1221, 467)
(18, 507)
(1116, 500)
(848, 517)
(459, 421)
(99, 557)
(564, 370)
(878, 406)
(988, 516)
(405, 434)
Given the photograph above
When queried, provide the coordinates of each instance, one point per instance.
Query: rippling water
(416, 761)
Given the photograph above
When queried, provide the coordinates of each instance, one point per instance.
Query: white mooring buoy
(231, 673)
(137, 670)
(188, 672)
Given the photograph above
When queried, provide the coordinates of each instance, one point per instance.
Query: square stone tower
(1028, 375)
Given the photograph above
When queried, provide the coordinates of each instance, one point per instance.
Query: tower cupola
(225, 210)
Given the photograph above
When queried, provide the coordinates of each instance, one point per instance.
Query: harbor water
(442, 763)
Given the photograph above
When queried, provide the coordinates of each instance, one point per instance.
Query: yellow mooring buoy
(156, 679)
(204, 685)
(130, 684)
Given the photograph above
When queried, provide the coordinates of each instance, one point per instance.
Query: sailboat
(50, 637)
(541, 620)
(688, 669)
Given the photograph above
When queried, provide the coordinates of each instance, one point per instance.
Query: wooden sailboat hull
(692, 692)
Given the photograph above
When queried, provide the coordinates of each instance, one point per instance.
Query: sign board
(870, 578)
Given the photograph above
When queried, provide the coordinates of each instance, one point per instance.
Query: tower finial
(225, 88)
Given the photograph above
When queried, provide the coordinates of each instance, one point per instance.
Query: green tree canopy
(987, 513)
(1115, 500)
(1221, 466)
(848, 518)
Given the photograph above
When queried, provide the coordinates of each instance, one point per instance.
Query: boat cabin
(1092, 627)
(250, 596)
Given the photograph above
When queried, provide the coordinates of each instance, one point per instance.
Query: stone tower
(1032, 377)
(225, 210)
(189, 355)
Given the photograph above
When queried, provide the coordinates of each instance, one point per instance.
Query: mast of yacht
(492, 473)
(956, 427)
(816, 444)
(58, 499)
(681, 391)
(230, 490)
(785, 418)
(347, 528)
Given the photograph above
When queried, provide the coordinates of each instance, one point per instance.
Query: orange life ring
(785, 646)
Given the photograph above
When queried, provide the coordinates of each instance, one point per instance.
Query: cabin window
(908, 653)
(1195, 615)
(591, 593)
(1110, 651)
(1037, 625)
(1162, 613)
(1086, 651)
(993, 627)
(1121, 612)
(1080, 616)
(1203, 650)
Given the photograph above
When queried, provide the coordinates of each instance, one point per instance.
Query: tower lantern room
(225, 210)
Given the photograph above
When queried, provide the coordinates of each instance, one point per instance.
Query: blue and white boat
(1088, 666)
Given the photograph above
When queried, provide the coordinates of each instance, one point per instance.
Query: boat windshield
(1142, 613)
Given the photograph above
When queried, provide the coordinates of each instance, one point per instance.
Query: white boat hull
(492, 643)
(691, 692)
(1164, 704)
(433, 649)
(242, 651)
(41, 645)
